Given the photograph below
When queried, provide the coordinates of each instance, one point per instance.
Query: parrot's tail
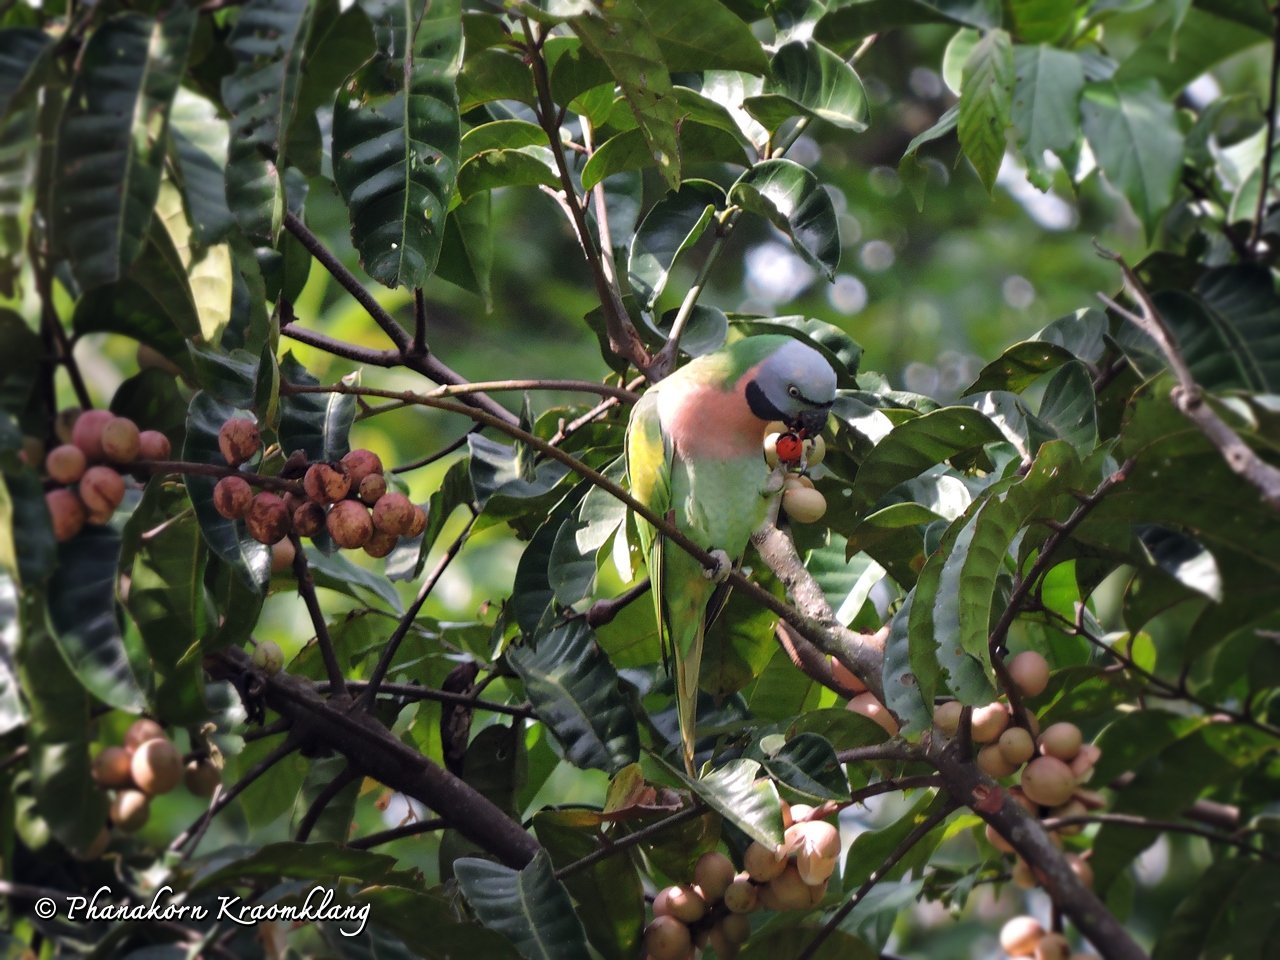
(688, 658)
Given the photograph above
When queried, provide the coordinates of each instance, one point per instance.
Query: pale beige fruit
(268, 657)
(101, 490)
(1030, 671)
(868, 706)
(662, 902)
(1053, 946)
(349, 524)
(121, 440)
(239, 440)
(111, 769)
(1017, 745)
(790, 890)
(740, 896)
(946, 717)
(767, 899)
(232, 497)
(993, 762)
(846, 678)
(666, 938)
(154, 445)
(282, 554)
(65, 464)
(989, 722)
(140, 731)
(66, 513)
(793, 812)
(771, 449)
(130, 810)
(1019, 936)
(797, 481)
(87, 432)
(201, 778)
(997, 840)
(817, 892)
(1072, 808)
(713, 873)
(1048, 781)
(1033, 723)
(156, 766)
(736, 928)
(1061, 740)
(684, 904)
(804, 505)
(762, 863)
(817, 847)
(1082, 763)
(1022, 875)
(815, 451)
(1080, 867)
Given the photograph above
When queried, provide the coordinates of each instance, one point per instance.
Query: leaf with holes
(529, 907)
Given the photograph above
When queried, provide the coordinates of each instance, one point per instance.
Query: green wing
(649, 458)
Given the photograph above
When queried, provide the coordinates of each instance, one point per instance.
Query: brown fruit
(1052, 946)
(101, 490)
(371, 488)
(325, 483)
(419, 521)
(723, 947)
(667, 939)
(740, 897)
(267, 520)
(804, 505)
(790, 890)
(65, 464)
(111, 769)
(393, 513)
(154, 445)
(308, 519)
(867, 705)
(87, 432)
(713, 873)
(946, 717)
(121, 440)
(201, 778)
(282, 554)
(66, 512)
(130, 810)
(1016, 746)
(684, 904)
(736, 928)
(349, 524)
(989, 722)
(1048, 781)
(268, 657)
(1030, 671)
(993, 762)
(239, 440)
(140, 731)
(662, 902)
(762, 863)
(361, 464)
(1061, 740)
(156, 766)
(232, 497)
(1019, 936)
(846, 678)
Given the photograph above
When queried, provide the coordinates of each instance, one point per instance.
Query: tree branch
(339, 348)
(223, 797)
(412, 691)
(1173, 826)
(398, 833)
(325, 797)
(307, 590)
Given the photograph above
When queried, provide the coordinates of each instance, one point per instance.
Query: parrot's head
(794, 384)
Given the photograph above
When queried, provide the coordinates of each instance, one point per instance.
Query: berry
(282, 554)
(790, 891)
(804, 505)
(267, 520)
(239, 440)
(65, 464)
(736, 928)
(815, 451)
(87, 432)
(393, 513)
(154, 445)
(268, 657)
(111, 769)
(1019, 936)
(993, 762)
(946, 717)
(1016, 746)
(349, 524)
(1080, 867)
(156, 766)
(361, 464)
(771, 450)
(232, 497)
(201, 778)
(1082, 763)
(419, 521)
(1053, 946)
(713, 873)
(121, 440)
(1061, 740)
(101, 491)
(372, 488)
(140, 731)
(130, 810)
(790, 448)
(741, 895)
(818, 849)
(325, 483)
(762, 863)
(380, 544)
(989, 722)
(997, 840)
(1048, 781)
(308, 519)
(867, 705)
(1030, 671)
(67, 513)
(683, 903)
(667, 939)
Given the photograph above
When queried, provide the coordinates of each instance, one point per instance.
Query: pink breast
(708, 422)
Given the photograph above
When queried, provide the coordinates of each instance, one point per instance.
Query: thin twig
(340, 348)
(431, 458)
(155, 467)
(1147, 823)
(412, 691)
(461, 389)
(325, 797)
(630, 840)
(223, 797)
(665, 360)
(307, 590)
(604, 611)
(398, 833)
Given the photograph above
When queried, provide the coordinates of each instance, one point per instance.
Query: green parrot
(695, 455)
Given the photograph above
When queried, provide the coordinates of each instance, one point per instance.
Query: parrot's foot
(720, 572)
(774, 481)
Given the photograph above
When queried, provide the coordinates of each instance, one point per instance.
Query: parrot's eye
(793, 391)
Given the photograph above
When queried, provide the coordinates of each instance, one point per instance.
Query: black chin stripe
(760, 405)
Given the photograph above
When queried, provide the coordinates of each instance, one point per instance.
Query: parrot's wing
(649, 458)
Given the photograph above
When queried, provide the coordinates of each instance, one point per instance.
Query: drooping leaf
(1070, 407)
(199, 139)
(698, 143)
(986, 98)
(807, 764)
(205, 270)
(811, 81)
(1078, 336)
(336, 572)
(529, 907)
(737, 792)
(791, 198)
(317, 423)
(1046, 104)
(672, 225)
(847, 24)
(298, 861)
(910, 681)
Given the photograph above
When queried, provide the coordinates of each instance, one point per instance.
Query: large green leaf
(82, 612)
(1133, 131)
(1046, 104)
(672, 225)
(529, 907)
(319, 424)
(740, 793)
(27, 548)
(909, 684)
(396, 138)
(1243, 308)
(848, 23)
(1174, 54)
(1069, 407)
(1230, 911)
(791, 198)
(205, 270)
(811, 81)
(986, 98)
(807, 764)
(698, 143)
(298, 861)
(574, 691)
(22, 51)
(112, 138)
(199, 140)
(703, 35)
(1074, 337)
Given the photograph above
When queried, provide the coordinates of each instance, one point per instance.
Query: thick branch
(340, 348)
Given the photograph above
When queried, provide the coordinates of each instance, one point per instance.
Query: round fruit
(997, 840)
(1080, 867)
(282, 554)
(1053, 946)
(790, 890)
(867, 705)
(130, 810)
(380, 544)
(993, 762)
(419, 521)
(762, 863)
(67, 513)
(790, 448)
(239, 440)
(795, 481)
(819, 848)
(667, 939)
(1061, 740)
(140, 731)
(1022, 874)
(154, 445)
(1025, 802)
(156, 766)
(326, 483)
(736, 928)
(349, 524)
(1072, 808)
(1017, 746)
(87, 432)
(740, 897)
(393, 513)
(111, 769)
(101, 491)
(845, 677)
(1019, 936)
(361, 464)
(713, 873)
(232, 497)
(308, 519)
(268, 519)
(371, 488)
(201, 778)
(684, 904)
(793, 813)
(717, 941)
(1048, 781)
(804, 505)
(1030, 671)
(121, 441)
(65, 464)
(815, 451)
(989, 722)
(268, 657)
(771, 449)
(1082, 763)
(946, 717)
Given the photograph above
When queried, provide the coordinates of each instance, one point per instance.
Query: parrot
(694, 455)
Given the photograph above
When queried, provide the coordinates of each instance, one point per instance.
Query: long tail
(688, 658)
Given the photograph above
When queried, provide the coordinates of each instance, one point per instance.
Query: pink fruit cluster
(1025, 937)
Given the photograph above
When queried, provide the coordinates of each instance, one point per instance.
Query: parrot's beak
(810, 422)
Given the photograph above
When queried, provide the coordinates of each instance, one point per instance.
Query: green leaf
(572, 565)
(704, 35)
(699, 143)
(334, 823)
(1215, 915)
(1202, 40)
(846, 25)
(1244, 310)
(672, 225)
(574, 691)
(111, 140)
(737, 792)
(529, 907)
(205, 272)
(501, 488)
(198, 139)
(466, 259)
(335, 572)
(1133, 132)
(1077, 336)
(82, 612)
(489, 75)
(13, 712)
(913, 173)
(986, 98)
(791, 198)
(738, 645)
(807, 764)
(316, 860)
(27, 548)
(1070, 408)
(910, 681)
(319, 424)
(1042, 20)
(811, 81)
(396, 138)
(522, 166)
(22, 53)
(1046, 104)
